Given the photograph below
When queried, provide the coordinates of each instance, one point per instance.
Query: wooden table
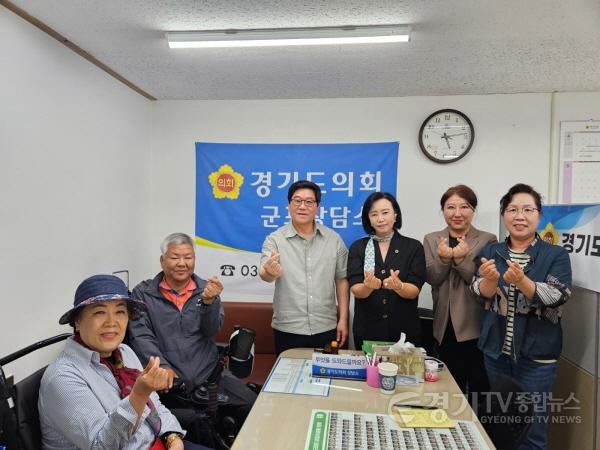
(281, 421)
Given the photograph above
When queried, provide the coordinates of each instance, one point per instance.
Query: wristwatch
(168, 438)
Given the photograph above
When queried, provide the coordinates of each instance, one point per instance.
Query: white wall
(73, 147)
(512, 138)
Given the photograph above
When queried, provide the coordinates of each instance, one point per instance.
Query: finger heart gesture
(444, 251)
(212, 288)
(272, 265)
(461, 250)
(514, 274)
(153, 378)
(393, 282)
(488, 270)
(371, 281)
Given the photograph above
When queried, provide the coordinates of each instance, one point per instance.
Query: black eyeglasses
(308, 203)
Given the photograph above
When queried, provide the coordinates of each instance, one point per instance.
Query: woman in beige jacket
(450, 257)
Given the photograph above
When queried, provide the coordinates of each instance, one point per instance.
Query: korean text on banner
(577, 229)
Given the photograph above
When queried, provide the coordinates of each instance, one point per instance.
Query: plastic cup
(373, 376)
(387, 377)
(432, 369)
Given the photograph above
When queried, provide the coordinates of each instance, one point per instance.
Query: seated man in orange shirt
(184, 312)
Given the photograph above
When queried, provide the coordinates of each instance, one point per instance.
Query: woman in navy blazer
(386, 272)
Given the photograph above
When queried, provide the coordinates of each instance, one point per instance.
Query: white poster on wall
(579, 177)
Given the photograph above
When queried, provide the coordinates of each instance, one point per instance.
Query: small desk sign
(353, 367)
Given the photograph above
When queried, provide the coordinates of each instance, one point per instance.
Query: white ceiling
(457, 46)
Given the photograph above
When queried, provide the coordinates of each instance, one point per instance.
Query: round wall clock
(446, 136)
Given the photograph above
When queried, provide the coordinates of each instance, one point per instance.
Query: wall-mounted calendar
(579, 178)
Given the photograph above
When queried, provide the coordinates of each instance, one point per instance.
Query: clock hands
(447, 138)
(446, 134)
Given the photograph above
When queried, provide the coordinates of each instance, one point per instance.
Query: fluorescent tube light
(270, 37)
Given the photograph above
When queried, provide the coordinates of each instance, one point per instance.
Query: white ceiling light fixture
(271, 37)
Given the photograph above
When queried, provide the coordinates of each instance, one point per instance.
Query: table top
(281, 421)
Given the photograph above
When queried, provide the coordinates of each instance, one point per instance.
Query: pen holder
(373, 376)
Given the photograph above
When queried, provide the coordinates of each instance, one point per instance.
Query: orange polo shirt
(177, 298)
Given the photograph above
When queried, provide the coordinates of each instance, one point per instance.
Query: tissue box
(410, 361)
(343, 365)
(367, 346)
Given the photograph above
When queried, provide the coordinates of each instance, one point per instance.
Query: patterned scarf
(369, 264)
(125, 378)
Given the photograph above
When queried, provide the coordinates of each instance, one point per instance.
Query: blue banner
(241, 189)
(577, 229)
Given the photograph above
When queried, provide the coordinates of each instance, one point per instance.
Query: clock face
(446, 136)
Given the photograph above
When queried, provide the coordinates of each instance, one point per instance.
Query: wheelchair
(204, 412)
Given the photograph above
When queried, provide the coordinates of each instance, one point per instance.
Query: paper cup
(387, 377)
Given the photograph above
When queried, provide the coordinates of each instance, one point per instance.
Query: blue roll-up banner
(241, 197)
(577, 229)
